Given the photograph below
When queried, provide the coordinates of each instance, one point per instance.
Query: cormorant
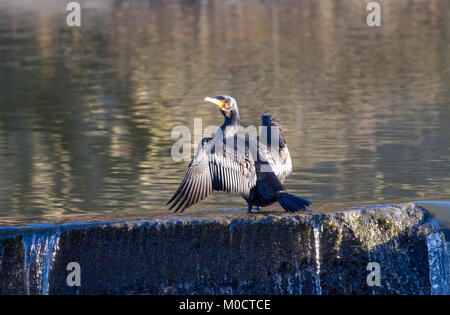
(256, 169)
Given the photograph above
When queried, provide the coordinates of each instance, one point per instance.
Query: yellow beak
(215, 101)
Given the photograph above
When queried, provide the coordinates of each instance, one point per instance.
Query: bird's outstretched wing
(210, 170)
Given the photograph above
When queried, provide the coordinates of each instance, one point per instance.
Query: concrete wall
(312, 253)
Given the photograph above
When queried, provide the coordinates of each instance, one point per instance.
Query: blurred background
(86, 113)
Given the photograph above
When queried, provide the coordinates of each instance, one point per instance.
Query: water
(39, 253)
(439, 262)
(317, 230)
(86, 114)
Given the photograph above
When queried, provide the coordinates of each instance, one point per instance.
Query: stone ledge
(305, 253)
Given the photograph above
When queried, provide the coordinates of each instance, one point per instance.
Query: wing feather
(212, 171)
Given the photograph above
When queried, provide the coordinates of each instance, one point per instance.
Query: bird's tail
(292, 203)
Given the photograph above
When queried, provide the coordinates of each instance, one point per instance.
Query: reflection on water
(86, 113)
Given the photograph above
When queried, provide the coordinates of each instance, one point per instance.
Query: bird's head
(225, 103)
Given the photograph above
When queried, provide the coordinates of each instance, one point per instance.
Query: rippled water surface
(86, 113)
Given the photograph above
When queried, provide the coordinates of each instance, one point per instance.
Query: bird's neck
(231, 124)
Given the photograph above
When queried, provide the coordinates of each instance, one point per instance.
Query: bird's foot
(256, 209)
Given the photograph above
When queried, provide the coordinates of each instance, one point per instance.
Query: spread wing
(214, 170)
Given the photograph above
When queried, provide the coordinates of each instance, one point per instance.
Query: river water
(86, 113)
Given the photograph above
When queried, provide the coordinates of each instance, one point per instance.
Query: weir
(234, 253)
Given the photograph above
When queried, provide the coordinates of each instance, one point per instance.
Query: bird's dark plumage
(254, 168)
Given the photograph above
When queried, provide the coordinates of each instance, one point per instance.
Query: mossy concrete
(304, 253)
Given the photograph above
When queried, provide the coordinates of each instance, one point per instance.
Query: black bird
(255, 168)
